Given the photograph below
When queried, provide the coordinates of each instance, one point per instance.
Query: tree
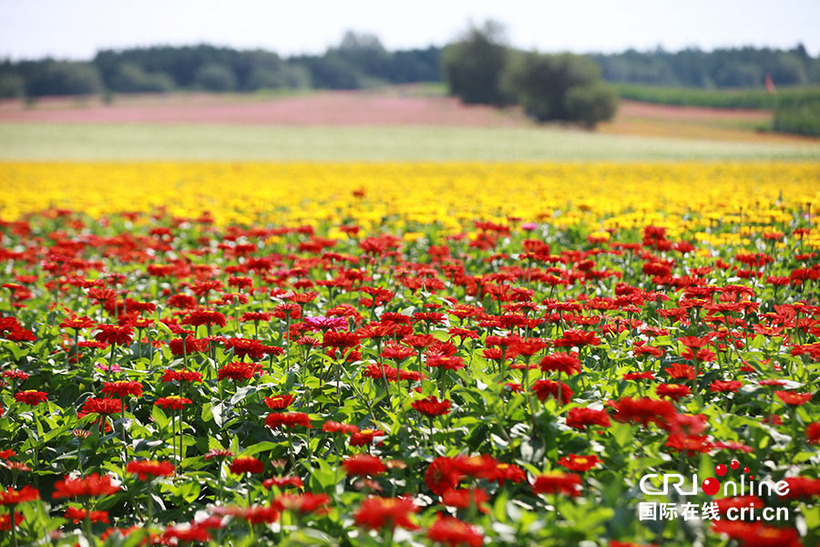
(131, 78)
(474, 65)
(590, 104)
(216, 77)
(560, 87)
(51, 77)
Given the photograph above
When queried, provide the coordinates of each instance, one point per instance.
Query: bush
(590, 104)
(560, 87)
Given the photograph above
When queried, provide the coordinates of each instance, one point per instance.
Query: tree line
(360, 60)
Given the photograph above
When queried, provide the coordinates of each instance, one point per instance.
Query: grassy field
(82, 142)
(717, 98)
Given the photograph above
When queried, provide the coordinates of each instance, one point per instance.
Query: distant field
(384, 125)
(38, 141)
(718, 98)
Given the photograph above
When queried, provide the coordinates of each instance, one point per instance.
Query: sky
(76, 29)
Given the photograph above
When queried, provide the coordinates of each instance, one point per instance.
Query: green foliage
(560, 87)
(799, 115)
(216, 77)
(11, 86)
(717, 98)
(723, 68)
(131, 78)
(591, 103)
(473, 66)
(51, 77)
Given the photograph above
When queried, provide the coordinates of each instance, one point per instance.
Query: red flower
(813, 433)
(363, 465)
(449, 362)
(122, 388)
(31, 397)
(78, 323)
(365, 437)
(794, 399)
(643, 410)
(279, 402)
(691, 444)
(10, 496)
(647, 375)
(431, 406)
(340, 339)
(174, 402)
(549, 388)
(673, 391)
(102, 405)
(288, 419)
(509, 472)
(16, 374)
(693, 342)
(442, 475)
(255, 514)
(337, 427)
(283, 482)
(114, 334)
(181, 376)
(482, 466)
(579, 418)
(565, 363)
(218, 453)
(577, 338)
(418, 341)
(558, 483)
(574, 462)
(462, 498)
(801, 488)
(453, 532)
(303, 503)
(239, 371)
(246, 464)
(84, 487)
(757, 534)
(243, 346)
(5, 521)
(396, 352)
(77, 515)
(722, 387)
(204, 317)
(378, 513)
(189, 346)
(154, 468)
(182, 301)
(681, 370)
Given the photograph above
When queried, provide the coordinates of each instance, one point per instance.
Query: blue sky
(75, 29)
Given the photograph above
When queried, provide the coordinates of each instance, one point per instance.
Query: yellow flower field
(595, 197)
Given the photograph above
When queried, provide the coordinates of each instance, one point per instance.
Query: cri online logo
(711, 486)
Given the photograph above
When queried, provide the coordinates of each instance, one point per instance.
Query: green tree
(473, 66)
(51, 77)
(560, 87)
(215, 76)
(590, 104)
(131, 78)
